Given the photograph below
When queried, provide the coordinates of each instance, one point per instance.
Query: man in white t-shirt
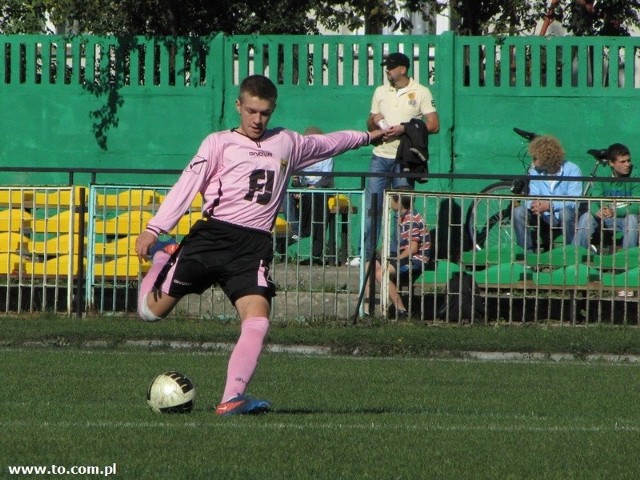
(393, 104)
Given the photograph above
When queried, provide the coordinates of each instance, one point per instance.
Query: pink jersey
(243, 181)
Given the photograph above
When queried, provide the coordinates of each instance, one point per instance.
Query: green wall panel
(104, 102)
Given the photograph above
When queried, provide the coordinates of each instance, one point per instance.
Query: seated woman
(408, 260)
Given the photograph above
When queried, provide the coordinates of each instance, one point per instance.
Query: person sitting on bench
(550, 213)
(414, 252)
(617, 215)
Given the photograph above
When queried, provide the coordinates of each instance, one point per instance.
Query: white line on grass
(369, 426)
(211, 348)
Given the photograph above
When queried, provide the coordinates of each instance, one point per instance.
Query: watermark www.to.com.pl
(104, 471)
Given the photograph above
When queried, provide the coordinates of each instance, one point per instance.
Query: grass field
(335, 417)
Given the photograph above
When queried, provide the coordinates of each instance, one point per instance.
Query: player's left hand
(540, 206)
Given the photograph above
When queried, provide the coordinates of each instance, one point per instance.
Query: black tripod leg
(372, 298)
(371, 265)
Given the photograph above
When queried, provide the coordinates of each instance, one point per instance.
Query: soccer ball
(171, 392)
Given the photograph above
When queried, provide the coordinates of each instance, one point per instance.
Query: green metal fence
(582, 90)
(147, 102)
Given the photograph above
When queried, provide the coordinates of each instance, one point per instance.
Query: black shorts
(217, 253)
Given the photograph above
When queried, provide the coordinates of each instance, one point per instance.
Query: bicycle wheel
(488, 220)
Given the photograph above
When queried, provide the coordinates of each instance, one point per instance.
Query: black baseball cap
(396, 59)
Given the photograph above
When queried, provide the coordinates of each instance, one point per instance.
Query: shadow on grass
(340, 411)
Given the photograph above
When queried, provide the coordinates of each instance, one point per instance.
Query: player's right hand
(376, 136)
(144, 242)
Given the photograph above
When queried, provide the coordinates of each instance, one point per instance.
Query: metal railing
(551, 281)
(44, 237)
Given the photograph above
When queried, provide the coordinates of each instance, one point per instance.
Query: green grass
(404, 406)
(378, 339)
(334, 417)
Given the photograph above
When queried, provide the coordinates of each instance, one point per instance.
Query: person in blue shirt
(307, 213)
(547, 208)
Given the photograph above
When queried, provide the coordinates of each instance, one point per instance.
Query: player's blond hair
(548, 152)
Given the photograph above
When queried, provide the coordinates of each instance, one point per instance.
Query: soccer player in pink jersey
(242, 175)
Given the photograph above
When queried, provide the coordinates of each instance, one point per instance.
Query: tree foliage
(23, 17)
(515, 17)
(159, 17)
(605, 17)
(204, 17)
(372, 15)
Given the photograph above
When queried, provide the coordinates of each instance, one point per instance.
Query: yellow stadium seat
(58, 266)
(339, 201)
(13, 242)
(128, 198)
(281, 227)
(121, 267)
(15, 197)
(120, 247)
(197, 203)
(124, 224)
(59, 223)
(185, 223)
(341, 204)
(55, 246)
(9, 263)
(106, 200)
(53, 198)
(14, 220)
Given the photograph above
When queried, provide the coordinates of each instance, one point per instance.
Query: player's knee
(257, 324)
(145, 312)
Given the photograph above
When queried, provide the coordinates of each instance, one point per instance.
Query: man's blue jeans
(523, 219)
(378, 185)
(588, 223)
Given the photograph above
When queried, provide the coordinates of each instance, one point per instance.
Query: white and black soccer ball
(171, 392)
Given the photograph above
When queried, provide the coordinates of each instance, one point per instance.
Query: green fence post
(445, 68)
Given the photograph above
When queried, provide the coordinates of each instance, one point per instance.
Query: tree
(23, 17)
(373, 15)
(204, 17)
(606, 17)
(158, 17)
(514, 17)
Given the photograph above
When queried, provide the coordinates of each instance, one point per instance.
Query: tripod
(371, 264)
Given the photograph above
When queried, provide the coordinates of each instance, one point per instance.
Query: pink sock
(244, 358)
(160, 259)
